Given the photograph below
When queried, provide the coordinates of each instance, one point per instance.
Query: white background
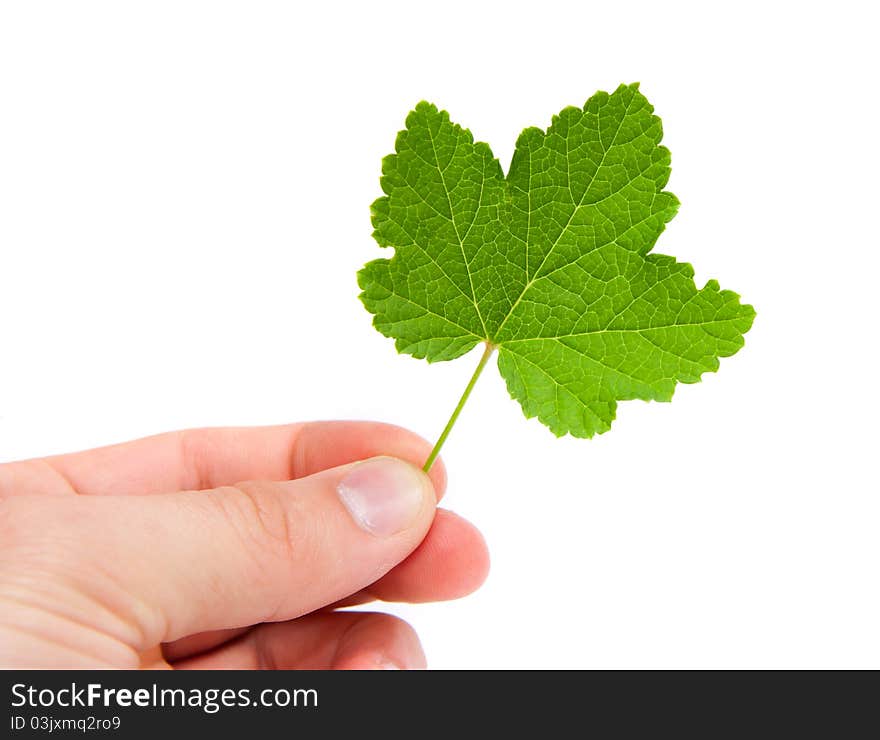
(184, 201)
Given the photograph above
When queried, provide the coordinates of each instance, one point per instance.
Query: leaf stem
(490, 348)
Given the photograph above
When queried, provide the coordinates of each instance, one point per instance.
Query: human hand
(154, 554)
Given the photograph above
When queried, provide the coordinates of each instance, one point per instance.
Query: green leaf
(551, 265)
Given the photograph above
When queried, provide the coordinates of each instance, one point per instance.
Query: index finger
(199, 459)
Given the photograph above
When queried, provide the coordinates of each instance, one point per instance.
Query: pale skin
(228, 548)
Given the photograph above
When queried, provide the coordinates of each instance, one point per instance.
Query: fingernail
(384, 664)
(383, 495)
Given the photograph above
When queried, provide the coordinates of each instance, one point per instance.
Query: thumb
(261, 551)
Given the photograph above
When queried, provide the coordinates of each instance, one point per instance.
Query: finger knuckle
(261, 521)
